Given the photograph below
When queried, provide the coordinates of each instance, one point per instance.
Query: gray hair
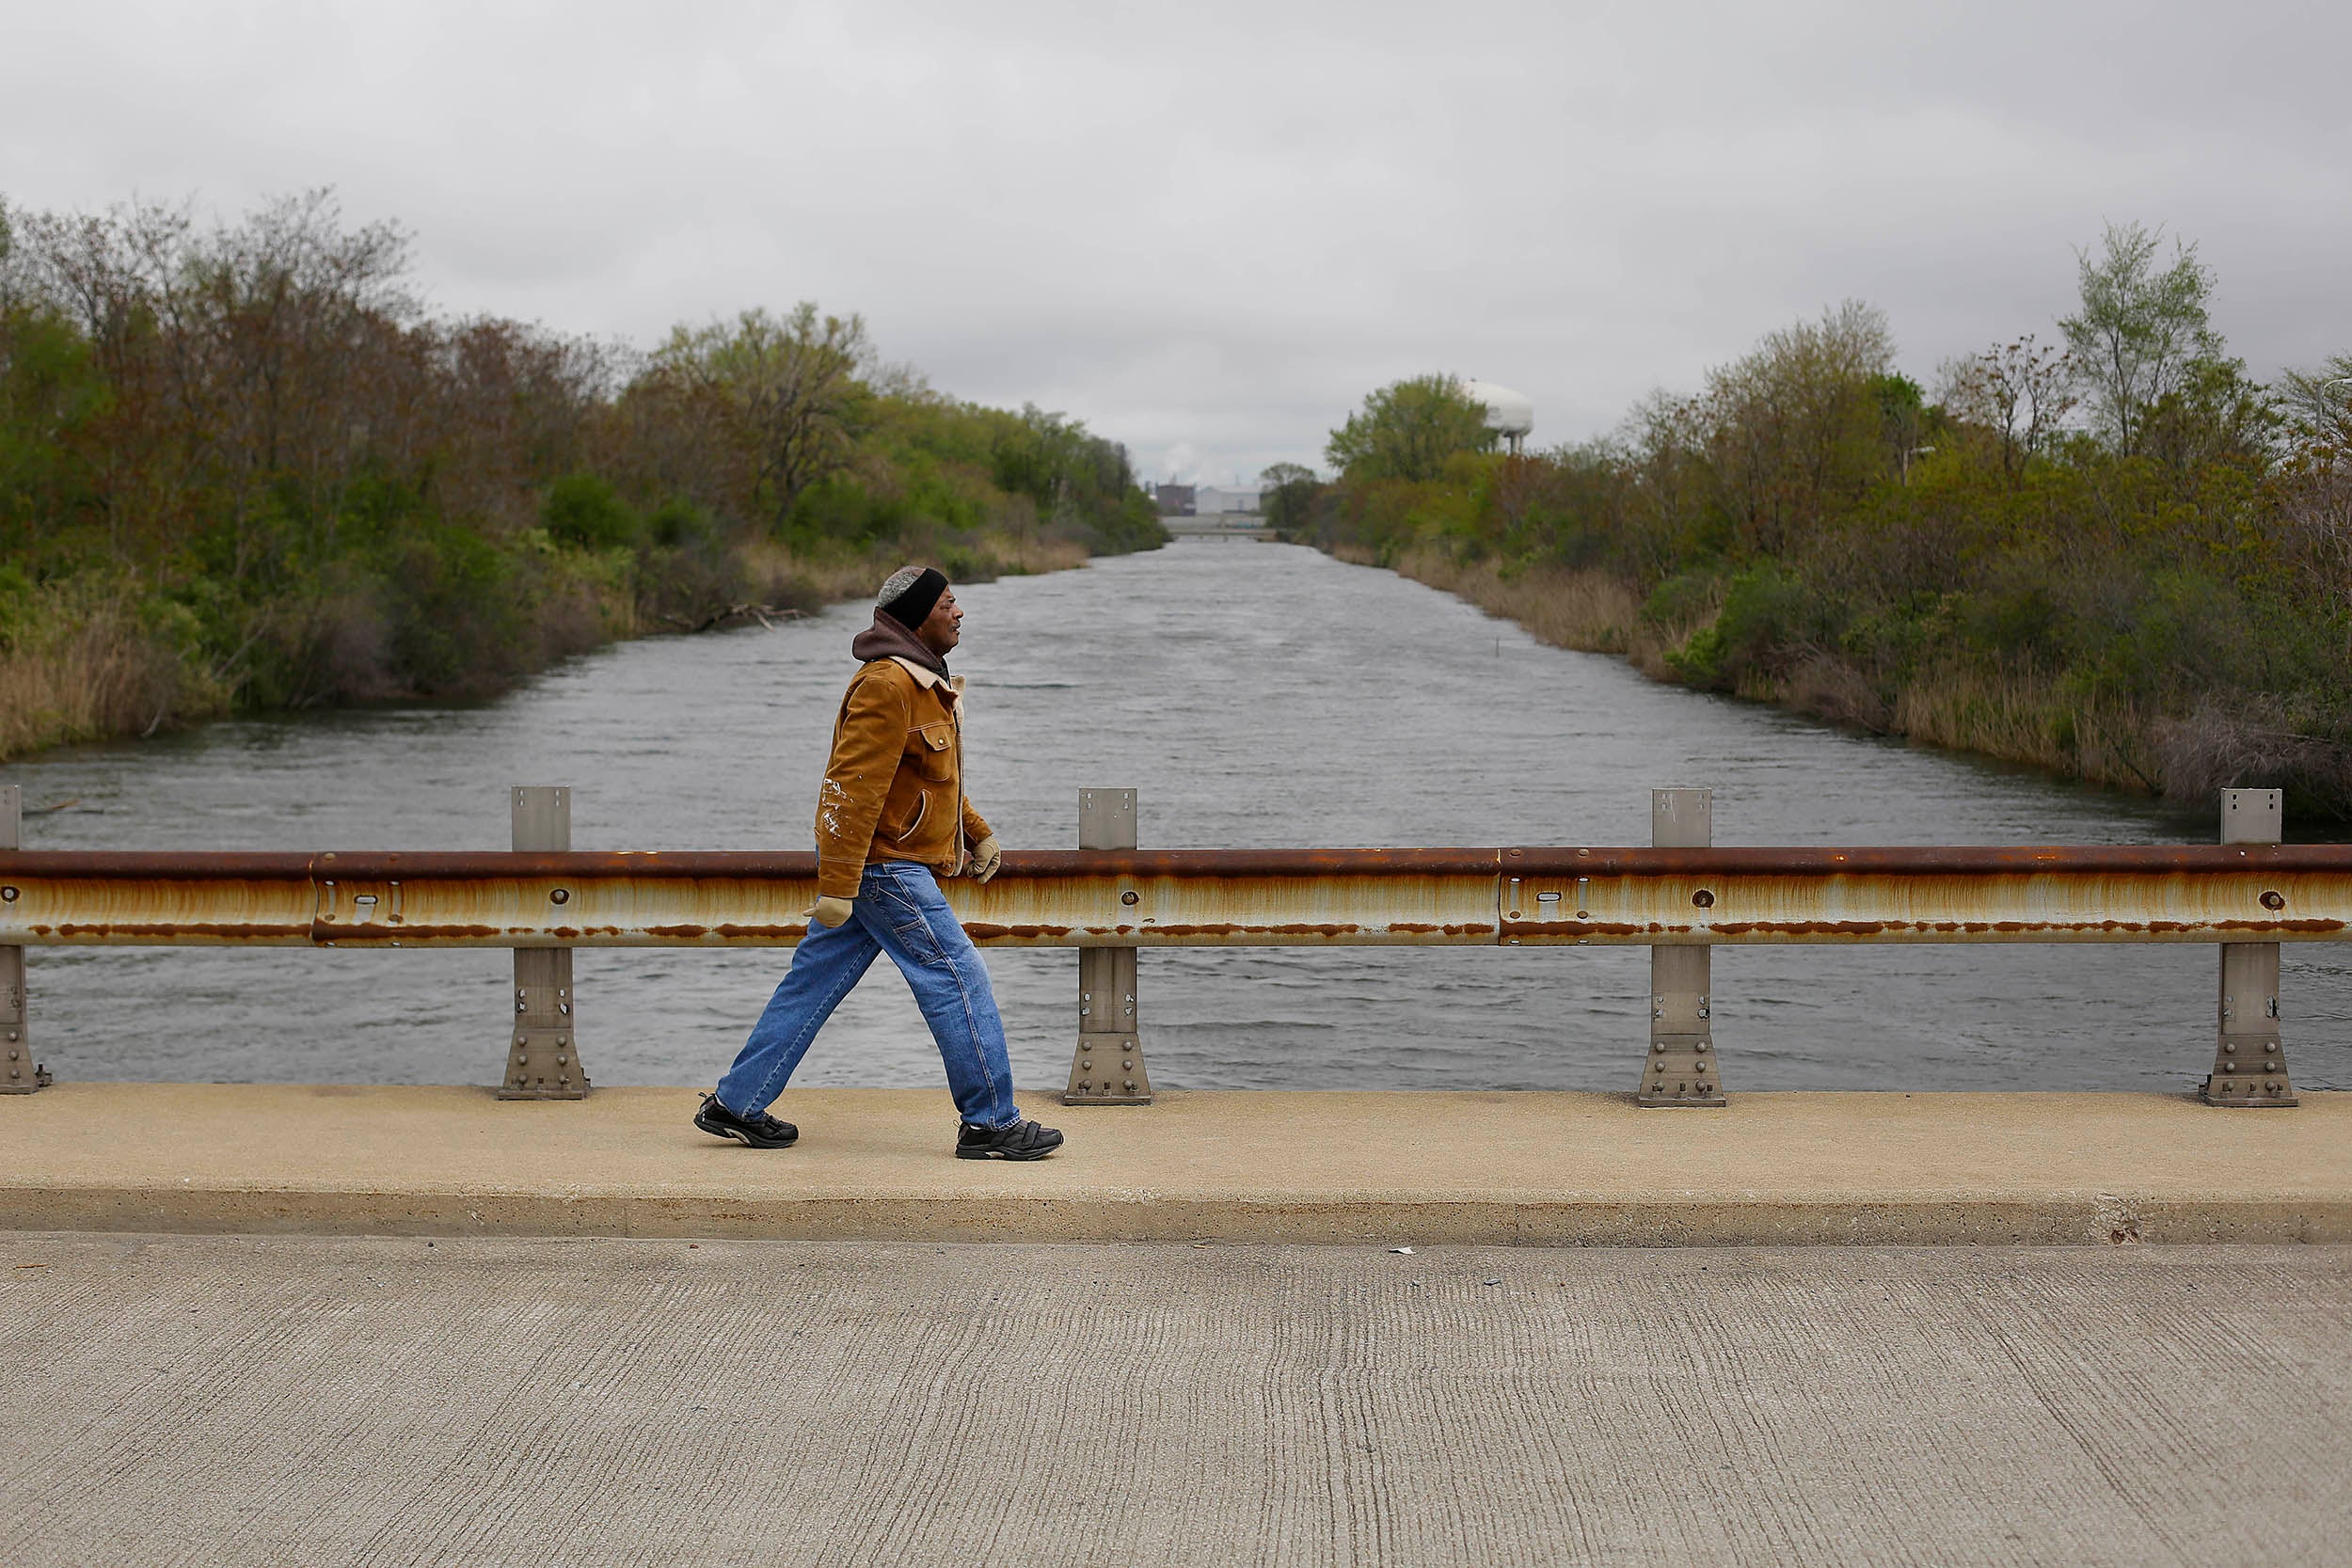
(896, 584)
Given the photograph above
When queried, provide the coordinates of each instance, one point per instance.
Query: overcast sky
(1208, 230)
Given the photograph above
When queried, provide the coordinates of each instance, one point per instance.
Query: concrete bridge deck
(1398, 1168)
(217, 1402)
(566, 1340)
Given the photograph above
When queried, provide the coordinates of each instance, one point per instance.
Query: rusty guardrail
(2250, 895)
(1201, 897)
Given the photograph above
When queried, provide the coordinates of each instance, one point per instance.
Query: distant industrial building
(1175, 501)
(1217, 500)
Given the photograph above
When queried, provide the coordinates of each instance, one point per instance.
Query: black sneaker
(1023, 1140)
(759, 1131)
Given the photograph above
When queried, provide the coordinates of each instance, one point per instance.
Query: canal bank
(1333, 1166)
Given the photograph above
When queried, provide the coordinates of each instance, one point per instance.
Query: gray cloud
(1213, 227)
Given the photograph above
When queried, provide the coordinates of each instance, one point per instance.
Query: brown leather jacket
(894, 785)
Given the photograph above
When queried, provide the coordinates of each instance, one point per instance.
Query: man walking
(890, 818)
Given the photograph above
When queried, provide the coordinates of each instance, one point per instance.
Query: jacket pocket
(933, 749)
(922, 805)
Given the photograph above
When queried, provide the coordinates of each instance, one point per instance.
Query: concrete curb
(1363, 1168)
(2059, 1220)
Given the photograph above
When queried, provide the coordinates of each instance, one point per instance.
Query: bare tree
(2318, 405)
(238, 359)
(2020, 391)
(1662, 440)
(2314, 491)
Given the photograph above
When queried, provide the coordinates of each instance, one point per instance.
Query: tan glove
(986, 856)
(827, 912)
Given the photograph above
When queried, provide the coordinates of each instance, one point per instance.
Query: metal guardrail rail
(1681, 898)
(1201, 897)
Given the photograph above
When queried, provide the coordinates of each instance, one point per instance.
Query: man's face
(944, 627)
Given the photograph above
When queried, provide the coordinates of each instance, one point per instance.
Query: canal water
(1255, 695)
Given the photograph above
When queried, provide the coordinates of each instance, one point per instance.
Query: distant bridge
(1219, 525)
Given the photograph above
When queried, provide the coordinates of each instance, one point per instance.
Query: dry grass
(86, 670)
(798, 580)
(1828, 688)
(2251, 744)
(1588, 611)
(2012, 718)
(783, 577)
(78, 664)
(1026, 555)
(2019, 718)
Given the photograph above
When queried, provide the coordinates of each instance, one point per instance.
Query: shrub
(678, 523)
(457, 626)
(1683, 598)
(1765, 614)
(585, 511)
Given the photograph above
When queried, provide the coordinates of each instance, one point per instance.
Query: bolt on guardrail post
(543, 1060)
(1107, 1067)
(1681, 1069)
(19, 1072)
(2250, 1061)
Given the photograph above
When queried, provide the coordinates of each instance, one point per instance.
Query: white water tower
(1508, 415)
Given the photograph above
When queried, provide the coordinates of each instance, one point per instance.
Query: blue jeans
(898, 911)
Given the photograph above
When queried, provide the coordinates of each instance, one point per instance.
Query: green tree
(1290, 490)
(1408, 429)
(2216, 414)
(582, 510)
(1904, 419)
(2142, 333)
(785, 392)
(1795, 428)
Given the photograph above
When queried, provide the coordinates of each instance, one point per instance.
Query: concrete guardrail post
(544, 1061)
(19, 1072)
(2250, 1062)
(1107, 1067)
(1682, 1067)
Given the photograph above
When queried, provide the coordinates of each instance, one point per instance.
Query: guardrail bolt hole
(1704, 900)
(561, 895)
(1130, 896)
(2274, 901)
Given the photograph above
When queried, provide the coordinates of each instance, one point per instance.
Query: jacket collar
(949, 688)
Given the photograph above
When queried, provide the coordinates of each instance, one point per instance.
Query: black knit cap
(915, 602)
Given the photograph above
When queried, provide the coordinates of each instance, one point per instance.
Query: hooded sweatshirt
(888, 638)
